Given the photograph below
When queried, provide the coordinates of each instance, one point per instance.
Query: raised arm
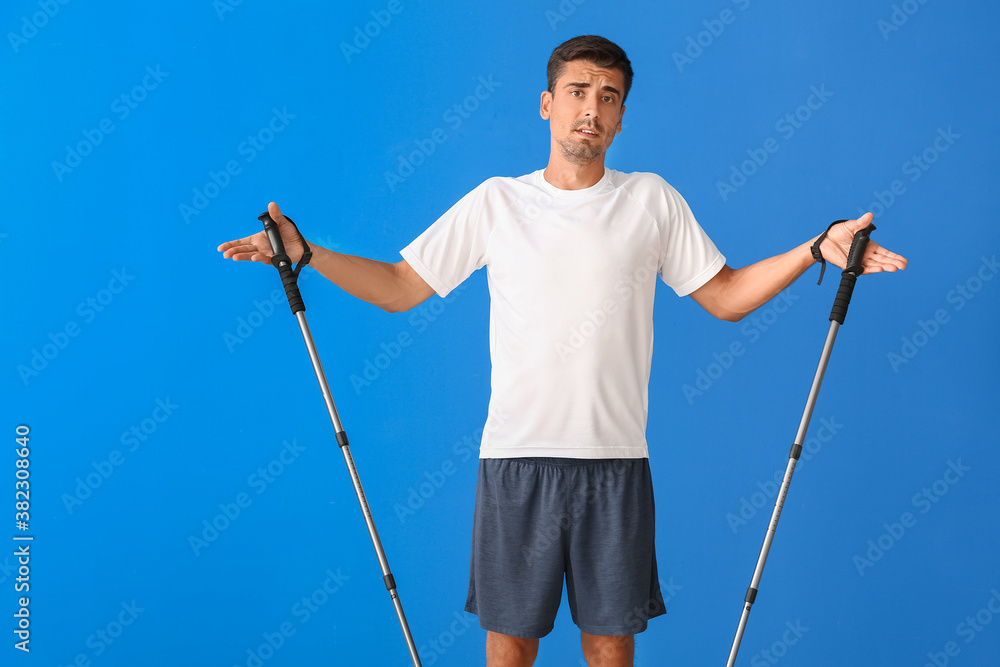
(734, 293)
(391, 287)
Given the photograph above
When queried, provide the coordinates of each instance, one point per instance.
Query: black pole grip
(850, 274)
(857, 251)
(281, 261)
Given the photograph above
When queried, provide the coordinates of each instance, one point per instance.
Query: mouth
(587, 133)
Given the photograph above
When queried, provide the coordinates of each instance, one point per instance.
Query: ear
(545, 110)
(621, 115)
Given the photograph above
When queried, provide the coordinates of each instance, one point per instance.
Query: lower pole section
(345, 448)
(779, 502)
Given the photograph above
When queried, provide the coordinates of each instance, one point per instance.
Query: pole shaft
(824, 359)
(317, 365)
(779, 502)
(356, 481)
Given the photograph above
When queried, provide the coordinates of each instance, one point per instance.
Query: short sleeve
(448, 251)
(688, 257)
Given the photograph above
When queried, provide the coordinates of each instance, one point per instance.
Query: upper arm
(712, 295)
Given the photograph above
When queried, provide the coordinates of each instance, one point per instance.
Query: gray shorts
(540, 519)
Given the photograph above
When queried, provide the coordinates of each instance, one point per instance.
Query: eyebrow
(610, 89)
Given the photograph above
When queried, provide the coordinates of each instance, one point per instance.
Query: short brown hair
(598, 50)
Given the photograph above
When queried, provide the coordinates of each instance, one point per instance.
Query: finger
(852, 227)
(888, 255)
(275, 212)
(252, 255)
(878, 254)
(842, 235)
(231, 248)
(873, 265)
(246, 240)
(241, 252)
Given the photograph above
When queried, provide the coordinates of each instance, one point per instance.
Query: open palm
(837, 245)
(257, 248)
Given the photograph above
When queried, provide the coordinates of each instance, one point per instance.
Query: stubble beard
(579, 151)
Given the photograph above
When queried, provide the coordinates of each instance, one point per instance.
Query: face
(585, 111)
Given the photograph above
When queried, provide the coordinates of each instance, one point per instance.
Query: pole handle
(850, 274)
(283, 263)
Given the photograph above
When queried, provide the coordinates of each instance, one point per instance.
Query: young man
(564, 488)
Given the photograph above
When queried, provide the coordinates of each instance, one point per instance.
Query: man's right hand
(257, 248)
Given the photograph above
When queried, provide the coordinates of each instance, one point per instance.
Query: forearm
(738, 292)
(378, 283)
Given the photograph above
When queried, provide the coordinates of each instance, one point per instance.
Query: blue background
(151, 199)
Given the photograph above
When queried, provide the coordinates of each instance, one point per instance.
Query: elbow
(725, 313)
(399, 304)
(392, 307)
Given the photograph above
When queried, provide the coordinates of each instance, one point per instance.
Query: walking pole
(840, 305)
(289, 279)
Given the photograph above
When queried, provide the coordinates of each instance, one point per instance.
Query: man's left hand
(837, 244)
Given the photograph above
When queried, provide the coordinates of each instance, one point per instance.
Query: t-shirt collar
(594, 189)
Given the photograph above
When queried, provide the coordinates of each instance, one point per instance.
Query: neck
(566, 175)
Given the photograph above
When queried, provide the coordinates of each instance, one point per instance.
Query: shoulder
(642, 183)
(504, 186)
(501, 192)
(651, 191)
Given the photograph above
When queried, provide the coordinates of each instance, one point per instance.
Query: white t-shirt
(571, 276)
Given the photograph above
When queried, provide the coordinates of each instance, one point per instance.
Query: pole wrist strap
(306, 250)
(817, 255)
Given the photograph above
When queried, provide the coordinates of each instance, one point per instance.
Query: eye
(576, 93)
(608, 99)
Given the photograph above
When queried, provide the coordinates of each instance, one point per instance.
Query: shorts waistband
(561, 461)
